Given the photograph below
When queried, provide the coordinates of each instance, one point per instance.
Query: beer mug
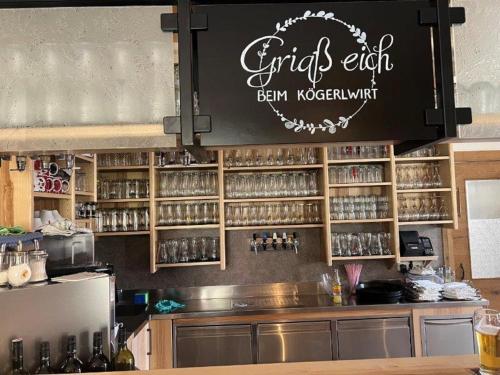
(487, 328)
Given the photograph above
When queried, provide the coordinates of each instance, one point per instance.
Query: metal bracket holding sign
(446, 116)
(406, 115)
(187, 124)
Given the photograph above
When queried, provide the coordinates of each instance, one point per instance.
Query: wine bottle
(44, 367)
(71, 364)
(124, 359)
(99, 362)
(17, 358)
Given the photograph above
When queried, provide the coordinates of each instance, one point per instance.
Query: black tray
(376, 292)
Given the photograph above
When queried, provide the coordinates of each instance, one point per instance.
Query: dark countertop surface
(261, 305)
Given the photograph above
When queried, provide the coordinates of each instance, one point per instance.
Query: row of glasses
(187, 183)
(123, 159)
(189, 213)
(122, 219)
(359, 207)
(123, 189)
(358, 152)
(352, 174)
(361, 244)
(185, 250)
(270, 156)
(182, 157)
(263, 185)
(418, 176)
(429, 207)
(243, 214)
(424, 152)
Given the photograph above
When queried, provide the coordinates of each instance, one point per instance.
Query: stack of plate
(460, 292)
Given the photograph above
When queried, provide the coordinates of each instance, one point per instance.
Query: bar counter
(455, 365)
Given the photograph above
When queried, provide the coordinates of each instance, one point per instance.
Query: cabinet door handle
(459, 204)
(149, 341)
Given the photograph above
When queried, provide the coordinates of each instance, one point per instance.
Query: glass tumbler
(487, 328)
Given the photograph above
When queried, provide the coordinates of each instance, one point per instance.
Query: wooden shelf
(434, 222)
(362, 221)
(421, 159)
(368, 257)
(273, 167)
(357, 161)
(123, 168)
(114, 234)
(431, 190)
(193, 264)
(123, 200)
(276, 226)
(84, 158)
(486, 119)
(190, 166)
(277, 199)
(84, 193)
(194, 226)
(51, 195)
(195, 198)
(361, 184)
(419, 259)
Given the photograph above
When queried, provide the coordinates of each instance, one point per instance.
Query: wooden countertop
(457, 365)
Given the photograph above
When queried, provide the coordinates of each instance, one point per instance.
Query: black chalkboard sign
(322, 72)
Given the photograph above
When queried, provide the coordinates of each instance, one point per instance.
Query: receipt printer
(411, 244)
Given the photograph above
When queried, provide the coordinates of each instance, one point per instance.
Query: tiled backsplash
(130, 255)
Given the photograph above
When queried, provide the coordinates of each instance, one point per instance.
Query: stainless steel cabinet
(294, 342)
(447, 336)
(213, 345)
(374, 338)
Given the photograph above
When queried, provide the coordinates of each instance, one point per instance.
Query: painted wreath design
(342, 122)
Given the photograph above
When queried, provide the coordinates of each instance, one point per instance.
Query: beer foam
(486, 329)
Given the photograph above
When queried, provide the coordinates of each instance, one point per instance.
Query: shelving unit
(124, 168)
(192, 264)
(276, 226)
(51, 195)
(277, 199)
(66, 203)
(159, 231)
(117, 234)
(359, 161)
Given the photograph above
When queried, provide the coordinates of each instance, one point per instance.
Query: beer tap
(275, 241)
(253, 244)
(284, 241)
(264, 241)
(295, 243)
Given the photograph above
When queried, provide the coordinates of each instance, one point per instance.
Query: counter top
(290, 304)
(281, 298)
(459, 365)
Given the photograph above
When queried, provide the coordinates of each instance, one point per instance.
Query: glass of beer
(487, 327)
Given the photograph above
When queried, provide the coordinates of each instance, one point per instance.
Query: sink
(271, 302)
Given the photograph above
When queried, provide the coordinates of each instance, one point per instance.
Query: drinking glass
(487, 329)
(336, 246)
(193, 249)
(203, 248)
(184, 250)
(214, 249)
(162, 252)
